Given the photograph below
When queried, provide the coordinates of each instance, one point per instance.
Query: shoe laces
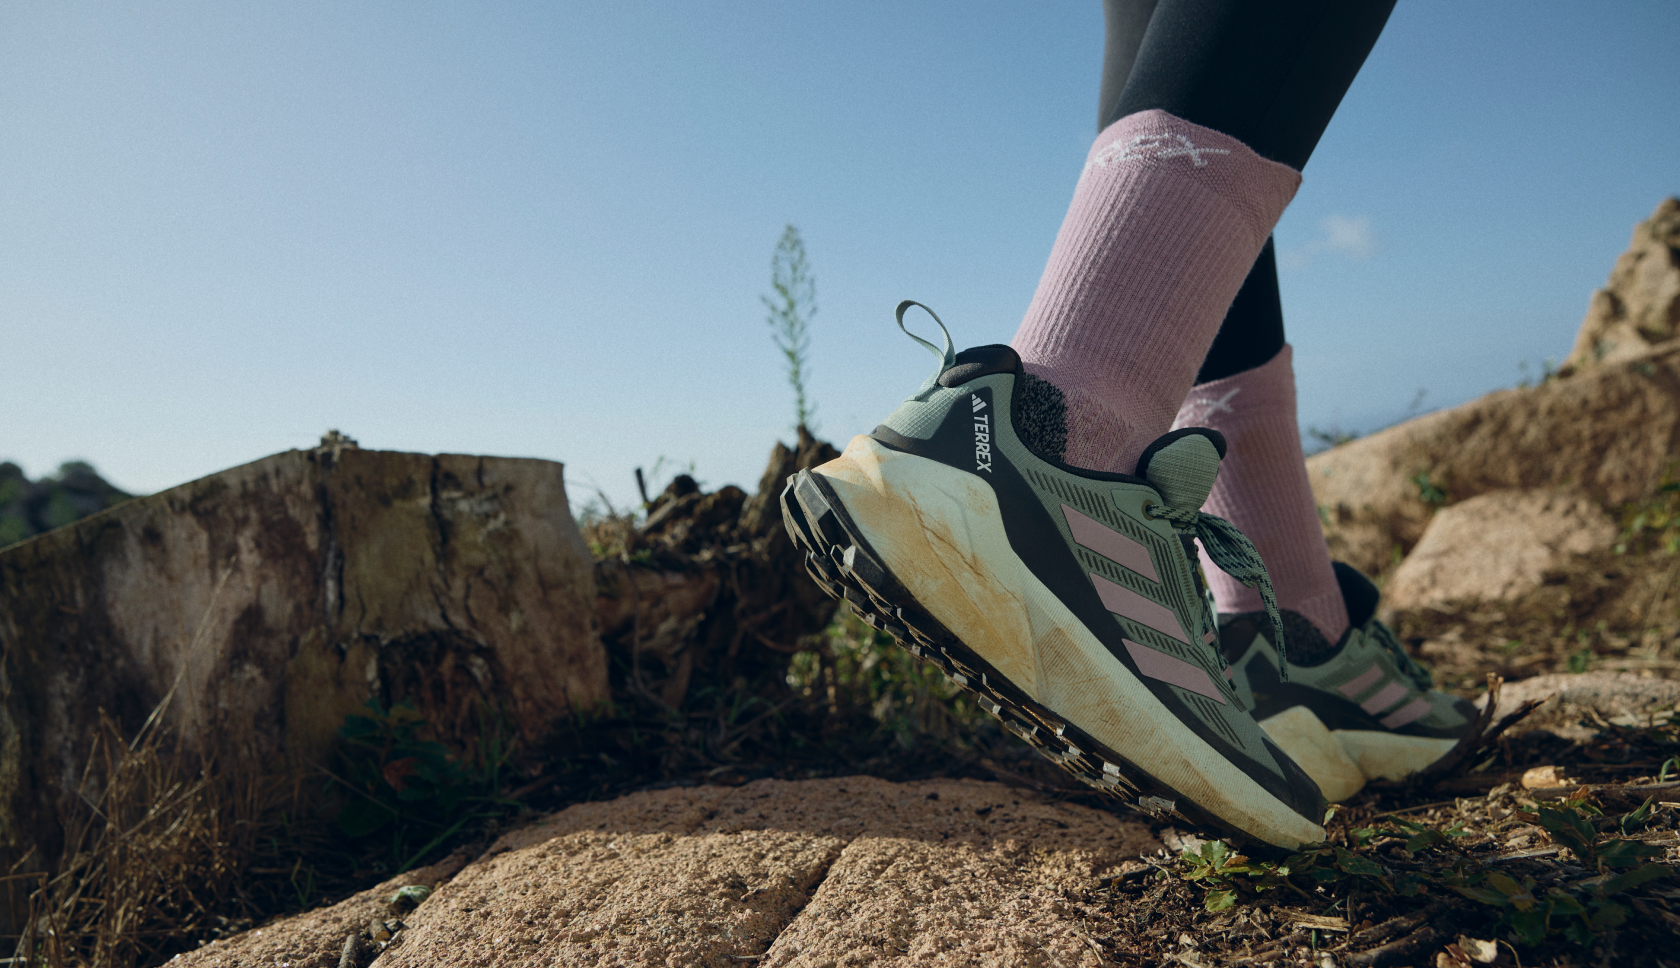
(1409, 668)
(1236, 556)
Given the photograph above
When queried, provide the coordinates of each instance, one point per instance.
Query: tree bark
(271, 600)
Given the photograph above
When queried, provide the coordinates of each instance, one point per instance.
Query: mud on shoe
(1066, 600)
(1350, 712)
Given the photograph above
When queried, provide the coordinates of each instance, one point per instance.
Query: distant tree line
(28, 508)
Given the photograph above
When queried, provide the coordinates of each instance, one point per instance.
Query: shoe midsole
(1342, 761)
(940, 532)
(1305, 739)
(1391, 756)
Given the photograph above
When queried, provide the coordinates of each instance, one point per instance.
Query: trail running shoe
(1351, 712)
(1067, 600)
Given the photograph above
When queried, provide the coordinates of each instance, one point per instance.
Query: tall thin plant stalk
(792, 303)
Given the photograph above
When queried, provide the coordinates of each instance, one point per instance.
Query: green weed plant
(414, 793)
(861, 668)
(1575, 910)
(1653, 524)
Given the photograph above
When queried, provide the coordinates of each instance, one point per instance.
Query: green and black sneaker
(1067, 600)
(1357, 710)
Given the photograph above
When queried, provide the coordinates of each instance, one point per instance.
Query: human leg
(1245, 388)
(1349, 671)
(1151, 256)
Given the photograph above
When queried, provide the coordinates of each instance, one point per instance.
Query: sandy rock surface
(849, 871)
(315, 939)
(1498, 545)
(1608, 432)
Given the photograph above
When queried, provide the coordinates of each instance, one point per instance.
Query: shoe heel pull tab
(1183, 466)
(947, 356)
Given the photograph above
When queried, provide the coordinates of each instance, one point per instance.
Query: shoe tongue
(1183, 465)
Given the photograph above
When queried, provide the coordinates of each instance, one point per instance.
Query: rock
(1496, 546)
(1573, 697)
(1639, 308)
(1543, 777)
(1607, 432)
(1607, 426)
(854, 870)
(271, 600)
(316, 939)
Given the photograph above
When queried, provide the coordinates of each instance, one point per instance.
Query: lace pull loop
(947, 356)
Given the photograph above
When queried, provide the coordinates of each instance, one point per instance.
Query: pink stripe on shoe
(1409, 713)
(1124, 601)
(1366, 680)
(1109, 543)
(1173, 671)
(1386, 696)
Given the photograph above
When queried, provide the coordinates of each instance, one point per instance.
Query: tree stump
(271, 600)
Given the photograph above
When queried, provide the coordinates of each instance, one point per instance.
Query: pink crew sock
(1166, 220)
(1262, 489)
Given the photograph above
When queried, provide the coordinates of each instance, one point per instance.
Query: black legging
(1269, 74)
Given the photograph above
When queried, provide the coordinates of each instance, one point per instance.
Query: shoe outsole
(843, 565)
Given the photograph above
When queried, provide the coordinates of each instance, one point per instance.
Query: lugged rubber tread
(853, 573)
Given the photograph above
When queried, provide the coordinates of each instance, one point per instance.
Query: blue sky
(543, 229)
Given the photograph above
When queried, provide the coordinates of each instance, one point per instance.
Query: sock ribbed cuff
(1165, 222)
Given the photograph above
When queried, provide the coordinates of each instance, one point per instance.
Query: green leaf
(1529, 926)
(1608, 916)
(1633, 878)
(1636, 819)
(412, 894)
(1626, 853)
(1215, 852)
(1354, 864)
(1427, 838)
(1579, 933)
(1220, 900)
(1569, 829)
(1484, 895)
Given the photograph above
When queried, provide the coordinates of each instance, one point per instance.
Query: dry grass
(157, 845)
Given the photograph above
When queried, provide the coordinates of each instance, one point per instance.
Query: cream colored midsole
(1305, 739)
(1341, 762)
(1385, 756)
(940, 533)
